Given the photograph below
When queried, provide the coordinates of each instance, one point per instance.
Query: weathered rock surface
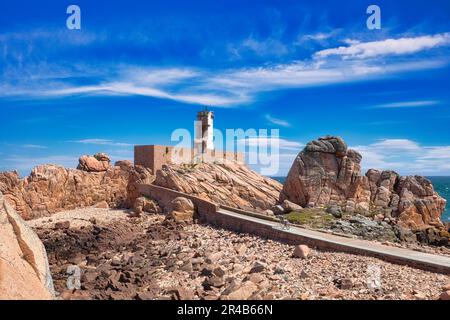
(98, 163)
(24, 269)
(181, 209)
(365, 228)
(143, 204)
(301, 251)
(137, 175)
(289, 206)
(229, 184)
(326, 173)
(50, 188)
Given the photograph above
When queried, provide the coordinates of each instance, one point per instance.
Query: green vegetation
(316, 218)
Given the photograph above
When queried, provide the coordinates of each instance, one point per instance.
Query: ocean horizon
(441, 186)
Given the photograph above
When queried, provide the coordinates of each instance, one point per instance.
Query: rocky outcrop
(328, 173)
(143, 204)
(24, 269)
(325, 172)
(100, 162)
(50, 188)
(418, 203)
(138, 175)
(228, 183)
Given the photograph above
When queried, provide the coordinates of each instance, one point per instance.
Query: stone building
(155, 156)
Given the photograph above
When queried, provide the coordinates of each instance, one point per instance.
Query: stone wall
(164, 197)
(155, 157)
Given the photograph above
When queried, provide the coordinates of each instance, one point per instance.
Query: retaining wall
(164, 196)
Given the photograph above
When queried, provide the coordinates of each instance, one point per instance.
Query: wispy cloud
(399, 46)
(33, 146)
(267, 47)
(318, 36)
(25, 146)
(105, 142)
(226, 87)
(276, 121)
(406, 104)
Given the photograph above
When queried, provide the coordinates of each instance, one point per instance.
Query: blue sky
(137, 70)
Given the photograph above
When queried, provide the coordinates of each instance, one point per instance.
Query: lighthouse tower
(204, 132)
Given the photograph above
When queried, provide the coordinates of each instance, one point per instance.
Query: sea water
(441, 185)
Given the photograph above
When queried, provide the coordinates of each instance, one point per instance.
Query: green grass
(316, 218)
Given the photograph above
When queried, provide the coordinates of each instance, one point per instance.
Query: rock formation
(138, 175)
(100, 162)
(227, 183)
(181, 209)
(50, 188)
(24, 269)
(328, 173)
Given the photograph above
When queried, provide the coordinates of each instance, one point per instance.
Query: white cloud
(156, 83)
(267, 47)
(318, 37)
(106, 142)
(276, 121)
(220, 88)
(399, 46)
(251, 81)
(33, 146)
(406, 104)
(396, 144)
(406, 157)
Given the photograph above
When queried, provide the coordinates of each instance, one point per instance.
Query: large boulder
(24, 269)
(325, 172)
(100, 162)
(181, 209)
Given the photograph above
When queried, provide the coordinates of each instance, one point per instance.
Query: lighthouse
(204, 132)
